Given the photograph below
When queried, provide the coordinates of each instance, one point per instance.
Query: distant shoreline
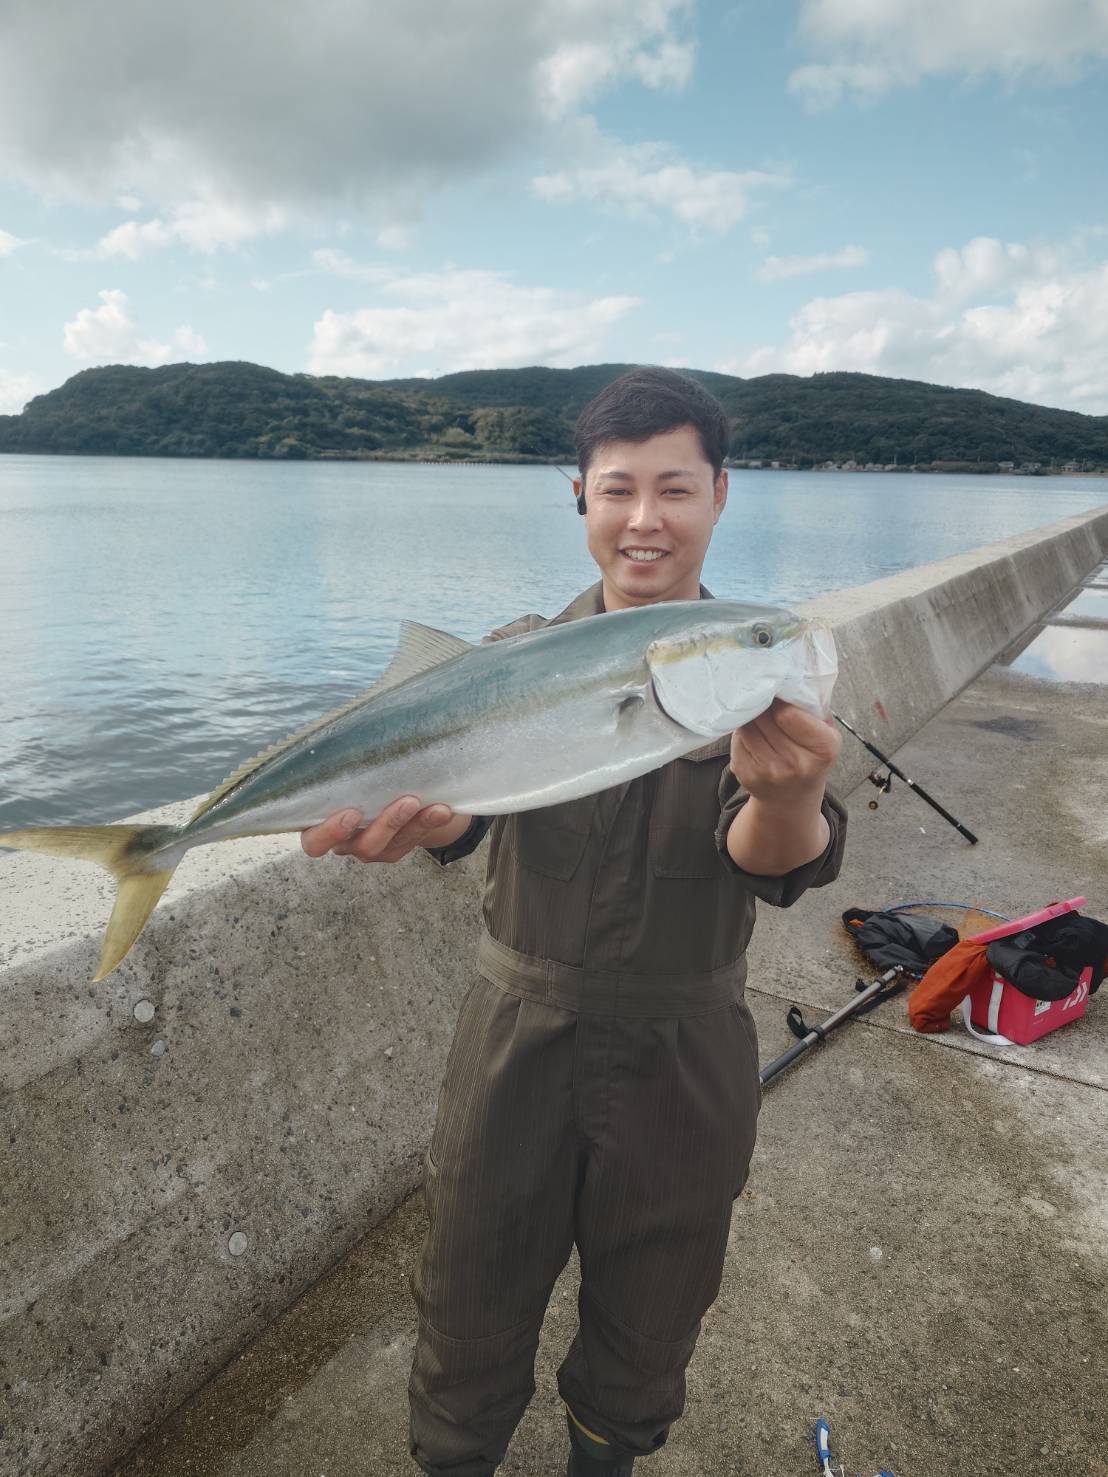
(919, 469)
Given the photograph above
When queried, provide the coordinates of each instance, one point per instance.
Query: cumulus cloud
(870, 46)
(774, 268)
(255, 104)
(202, 225)
(436, 322)
(1028, 323)
(594, 51)
(16, 390)
(10, 243)
(651, 179)
(109, 335)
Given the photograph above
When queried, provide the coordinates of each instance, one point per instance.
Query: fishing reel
(883, 782)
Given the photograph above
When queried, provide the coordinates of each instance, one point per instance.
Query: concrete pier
(189, 1145)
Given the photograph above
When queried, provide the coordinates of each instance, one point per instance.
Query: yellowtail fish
(507, 726)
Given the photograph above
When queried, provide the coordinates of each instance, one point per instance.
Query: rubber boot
(587, 1458)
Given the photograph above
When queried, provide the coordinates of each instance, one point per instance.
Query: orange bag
(947, 983)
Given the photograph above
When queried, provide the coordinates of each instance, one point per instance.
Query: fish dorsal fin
(419, 649)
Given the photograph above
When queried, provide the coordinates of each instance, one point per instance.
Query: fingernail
(351, 820)
(408, 809)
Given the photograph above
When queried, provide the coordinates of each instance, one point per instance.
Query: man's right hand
(400, 828)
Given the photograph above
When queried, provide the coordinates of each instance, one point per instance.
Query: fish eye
(762, 636)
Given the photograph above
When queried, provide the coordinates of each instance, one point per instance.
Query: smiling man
(602, 1088)
(650, 511)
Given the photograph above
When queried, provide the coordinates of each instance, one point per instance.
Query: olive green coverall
(602, 1088)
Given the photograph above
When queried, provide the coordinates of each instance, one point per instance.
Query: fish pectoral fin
(627, 710)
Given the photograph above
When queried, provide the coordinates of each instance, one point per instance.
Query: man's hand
(782, 759)
(400, 828)
(785, 754)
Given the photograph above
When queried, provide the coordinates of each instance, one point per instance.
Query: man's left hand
(785, 755)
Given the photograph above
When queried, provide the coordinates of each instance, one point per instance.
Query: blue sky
(906, 187)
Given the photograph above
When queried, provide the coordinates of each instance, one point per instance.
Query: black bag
(1046, 962)
(897, 938)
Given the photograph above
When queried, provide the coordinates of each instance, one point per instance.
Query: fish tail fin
(129, 853)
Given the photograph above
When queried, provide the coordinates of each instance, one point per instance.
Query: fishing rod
(884, 782)
(869, 996)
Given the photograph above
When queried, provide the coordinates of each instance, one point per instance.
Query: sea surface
(161, 621)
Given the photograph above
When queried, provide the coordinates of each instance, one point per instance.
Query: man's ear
(579, 494)
(719, 494)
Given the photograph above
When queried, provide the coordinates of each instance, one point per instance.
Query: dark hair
(647, 402)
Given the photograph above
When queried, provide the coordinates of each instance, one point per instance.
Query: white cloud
(870, 46)
(16, 390)
(644, 180)
(10, 243)
(134, 238)
(190, 342)
(202, 225)
(603, 41)
(774, 268)
(326, 259)
(362, 105)
(1028, 323)
(454, 319)
(109, 335)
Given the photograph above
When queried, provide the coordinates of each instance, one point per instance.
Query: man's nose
(646, 513)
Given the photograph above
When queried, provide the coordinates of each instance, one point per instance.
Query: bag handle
(991, 1037)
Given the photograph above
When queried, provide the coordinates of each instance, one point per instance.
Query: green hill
(236, 409)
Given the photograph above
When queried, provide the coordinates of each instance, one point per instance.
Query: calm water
(161, 621)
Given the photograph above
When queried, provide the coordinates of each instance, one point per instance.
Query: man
(602, 1087)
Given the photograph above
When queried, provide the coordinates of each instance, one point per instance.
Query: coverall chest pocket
(686, 813)
(551, 841)
(681, 852)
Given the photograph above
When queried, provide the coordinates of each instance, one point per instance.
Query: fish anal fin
(419, 649)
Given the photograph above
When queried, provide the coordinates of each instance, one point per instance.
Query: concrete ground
(921, 1254)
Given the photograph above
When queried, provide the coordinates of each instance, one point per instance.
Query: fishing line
(570, 480)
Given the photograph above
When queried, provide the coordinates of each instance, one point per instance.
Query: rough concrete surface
(921, 1254)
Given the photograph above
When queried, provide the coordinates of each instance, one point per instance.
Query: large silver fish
(492, 729)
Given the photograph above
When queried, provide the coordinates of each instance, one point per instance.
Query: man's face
(651, 507)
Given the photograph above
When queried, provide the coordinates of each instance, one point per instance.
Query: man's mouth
(644, 556)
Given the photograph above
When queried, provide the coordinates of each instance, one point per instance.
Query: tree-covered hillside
(244, 410)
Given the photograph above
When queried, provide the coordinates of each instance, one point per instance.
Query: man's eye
(678, 491)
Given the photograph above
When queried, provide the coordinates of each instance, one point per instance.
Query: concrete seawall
(264, 1064)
